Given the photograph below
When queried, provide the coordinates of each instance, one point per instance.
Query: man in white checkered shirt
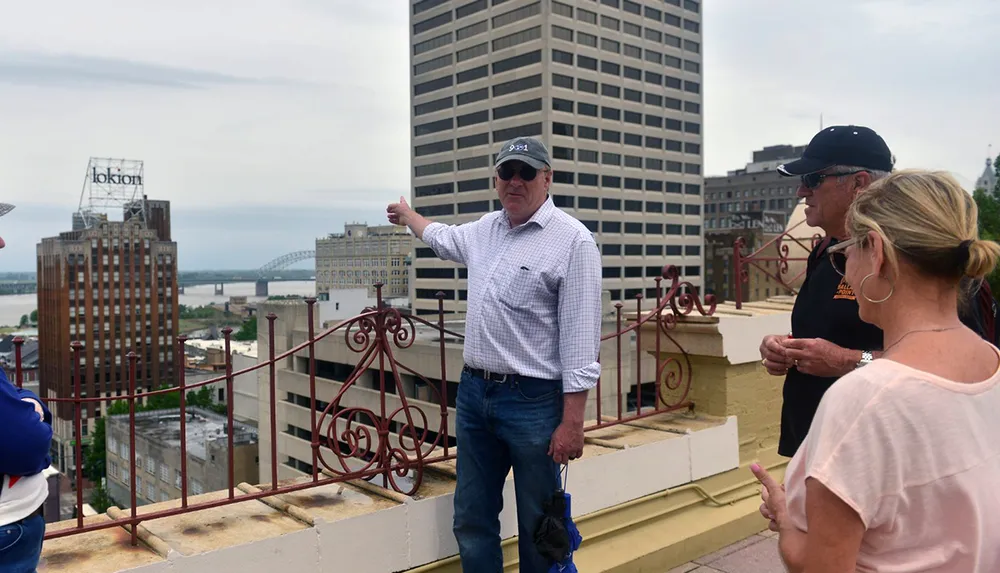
(533, 332)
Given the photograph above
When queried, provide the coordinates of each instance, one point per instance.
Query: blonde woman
(900, 470)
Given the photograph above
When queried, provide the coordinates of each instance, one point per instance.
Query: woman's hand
(774, 508)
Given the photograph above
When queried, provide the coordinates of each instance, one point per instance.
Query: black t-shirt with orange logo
(825, 308)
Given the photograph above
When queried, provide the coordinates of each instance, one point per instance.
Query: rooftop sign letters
(108, 177)
(771, 222)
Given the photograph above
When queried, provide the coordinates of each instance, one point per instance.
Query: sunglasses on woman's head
(508, 170)
(838, 255)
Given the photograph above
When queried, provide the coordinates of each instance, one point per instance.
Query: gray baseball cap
(526, 149)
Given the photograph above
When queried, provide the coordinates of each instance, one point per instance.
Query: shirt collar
(541, 217)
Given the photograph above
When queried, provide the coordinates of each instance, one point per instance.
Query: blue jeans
(499, 426)
(21, 545)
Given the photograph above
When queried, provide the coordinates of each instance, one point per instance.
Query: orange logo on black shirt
(844, 291)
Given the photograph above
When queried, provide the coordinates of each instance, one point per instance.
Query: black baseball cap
(852, 145)
(526, 149)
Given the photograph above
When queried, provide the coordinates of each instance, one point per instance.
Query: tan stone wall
(746, 391)
(727, 379)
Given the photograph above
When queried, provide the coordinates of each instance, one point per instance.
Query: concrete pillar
(290, 329)
(727, 377)
(261, 288)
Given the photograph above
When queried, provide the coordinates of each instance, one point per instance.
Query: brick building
(112, 287)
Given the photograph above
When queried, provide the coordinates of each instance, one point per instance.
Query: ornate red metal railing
(742, 263)
(359, 442)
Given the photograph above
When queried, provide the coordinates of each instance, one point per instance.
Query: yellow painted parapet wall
(728, 377)
(663, 530)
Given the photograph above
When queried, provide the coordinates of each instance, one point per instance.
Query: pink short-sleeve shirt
(918, 457)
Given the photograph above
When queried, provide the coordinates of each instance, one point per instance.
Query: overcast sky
(270, 123)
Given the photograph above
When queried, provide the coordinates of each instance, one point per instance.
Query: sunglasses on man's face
(508, 170)
(814, 180)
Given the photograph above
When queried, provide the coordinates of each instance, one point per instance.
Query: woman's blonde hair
(928, 220)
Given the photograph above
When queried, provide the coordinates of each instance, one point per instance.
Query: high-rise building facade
(113, 288)
(613, 88)
(752, 190)
(754, 202)
(362, 256)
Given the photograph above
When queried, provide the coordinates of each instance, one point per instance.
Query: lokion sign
(106, 177)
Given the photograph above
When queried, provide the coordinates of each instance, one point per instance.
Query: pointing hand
(774, 507)
(399, 212)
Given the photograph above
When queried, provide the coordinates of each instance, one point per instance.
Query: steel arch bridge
(284, 261)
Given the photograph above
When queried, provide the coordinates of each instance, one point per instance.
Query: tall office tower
(613, 88)
(112, 286)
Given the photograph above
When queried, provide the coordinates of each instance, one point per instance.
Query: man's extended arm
(402, 214)
(579, 345)
(448, 242)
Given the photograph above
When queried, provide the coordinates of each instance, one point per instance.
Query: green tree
(24, 320)
(248, 331)
(95, 455)
(188, 312)
(996, 171)
(989, 223)
(34, 316)
(99, 498)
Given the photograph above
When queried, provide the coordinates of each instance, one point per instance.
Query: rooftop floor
(755, 554)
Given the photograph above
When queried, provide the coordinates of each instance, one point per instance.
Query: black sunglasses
(814, 180)
(508, 170)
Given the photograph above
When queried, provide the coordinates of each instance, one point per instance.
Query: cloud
(906, 68)
(236, 237)
(226, 105)
(72, 71)
(269, 123)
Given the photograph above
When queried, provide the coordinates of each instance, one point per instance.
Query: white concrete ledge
(406, 535)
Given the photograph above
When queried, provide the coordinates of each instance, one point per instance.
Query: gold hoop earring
(861, 290)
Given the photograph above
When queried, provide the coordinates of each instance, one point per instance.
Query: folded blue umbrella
(556, 536)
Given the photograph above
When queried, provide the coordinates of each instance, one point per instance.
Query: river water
(13, 306)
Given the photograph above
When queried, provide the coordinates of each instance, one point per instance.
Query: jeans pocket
(10, 535)
(538, 390)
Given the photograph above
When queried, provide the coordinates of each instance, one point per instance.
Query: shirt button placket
(497, 255)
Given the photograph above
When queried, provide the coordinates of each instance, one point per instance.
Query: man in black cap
(532, 335)
(828, 338)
